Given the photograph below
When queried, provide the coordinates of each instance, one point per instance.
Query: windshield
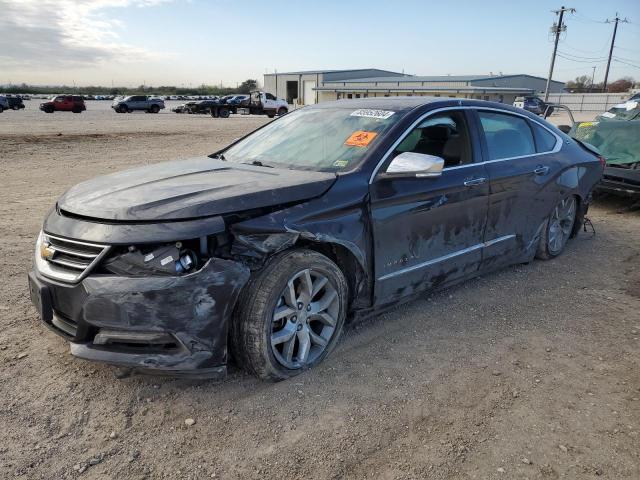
(316, 139)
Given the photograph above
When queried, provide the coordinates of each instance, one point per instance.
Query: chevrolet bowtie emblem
(46, 251)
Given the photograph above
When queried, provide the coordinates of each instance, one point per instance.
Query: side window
(270, 97)
(545, 140)
(443, 135)
(507, 135)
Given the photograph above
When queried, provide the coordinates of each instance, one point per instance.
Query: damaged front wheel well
(357, 279)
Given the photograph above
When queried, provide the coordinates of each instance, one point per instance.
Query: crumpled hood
(192, 188)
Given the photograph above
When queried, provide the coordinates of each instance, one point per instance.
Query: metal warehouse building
(315, 86)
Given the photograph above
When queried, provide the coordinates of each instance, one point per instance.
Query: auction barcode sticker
(366, 112)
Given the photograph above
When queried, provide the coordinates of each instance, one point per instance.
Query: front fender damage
(255, 249)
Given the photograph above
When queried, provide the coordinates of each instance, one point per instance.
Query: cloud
(64, 33)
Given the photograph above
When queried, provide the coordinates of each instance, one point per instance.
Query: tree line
(208, 90)
(582, 84)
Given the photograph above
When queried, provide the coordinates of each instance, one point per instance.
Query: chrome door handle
(475, 181)
(541, 170)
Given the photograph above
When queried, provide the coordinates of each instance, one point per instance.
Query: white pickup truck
(262, 103)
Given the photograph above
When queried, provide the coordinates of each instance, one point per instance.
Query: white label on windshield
(608, 115)
(366, 112)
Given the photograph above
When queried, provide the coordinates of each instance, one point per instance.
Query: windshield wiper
(258, 163)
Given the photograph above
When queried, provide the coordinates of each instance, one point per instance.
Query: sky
(191, 42)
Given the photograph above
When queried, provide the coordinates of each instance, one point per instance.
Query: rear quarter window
(545, 140)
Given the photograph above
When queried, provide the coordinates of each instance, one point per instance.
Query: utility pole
(557, 29)
(613, 41)
(593, 75)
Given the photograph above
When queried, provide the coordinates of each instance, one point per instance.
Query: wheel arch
(350, 266)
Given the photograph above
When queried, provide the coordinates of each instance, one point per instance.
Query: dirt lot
(532, 372)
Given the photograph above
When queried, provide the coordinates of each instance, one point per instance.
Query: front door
(269, 102)
(429, 231)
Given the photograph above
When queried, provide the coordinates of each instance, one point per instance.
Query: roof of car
(398, 103)
(404, 104)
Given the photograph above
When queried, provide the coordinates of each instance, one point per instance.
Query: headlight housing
(167, 259)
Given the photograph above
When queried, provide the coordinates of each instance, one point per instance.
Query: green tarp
(616, 133)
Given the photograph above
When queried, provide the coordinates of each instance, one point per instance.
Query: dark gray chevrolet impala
(262, 250)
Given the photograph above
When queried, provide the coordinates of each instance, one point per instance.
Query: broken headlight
(169, 259)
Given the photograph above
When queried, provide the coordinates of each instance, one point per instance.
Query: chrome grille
(65, 259)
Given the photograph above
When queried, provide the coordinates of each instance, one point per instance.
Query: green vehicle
(616, 134)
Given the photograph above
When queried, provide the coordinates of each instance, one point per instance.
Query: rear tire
(224, 113)
(1, 109)
(557, 229)
(289, 315)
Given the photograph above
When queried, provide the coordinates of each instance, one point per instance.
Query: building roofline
(314, 72)
(436, 78)
(477, 89)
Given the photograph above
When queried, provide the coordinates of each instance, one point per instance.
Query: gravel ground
(531, 372)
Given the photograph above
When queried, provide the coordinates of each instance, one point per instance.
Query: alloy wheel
(561, 224)
(304, 319)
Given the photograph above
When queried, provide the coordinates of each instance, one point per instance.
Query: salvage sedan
(262, 250)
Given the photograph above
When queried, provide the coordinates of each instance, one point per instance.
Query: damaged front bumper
(157, 324)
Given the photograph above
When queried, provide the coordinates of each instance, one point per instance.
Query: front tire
(155, 109)
(557, 229)
(282, 111)
(224, 113)
(290, 315)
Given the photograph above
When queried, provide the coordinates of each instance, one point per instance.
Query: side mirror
(419, 165)
(564, 128)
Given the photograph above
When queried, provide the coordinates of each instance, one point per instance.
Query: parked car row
(206, 106)
(256, 103)
(10, 102)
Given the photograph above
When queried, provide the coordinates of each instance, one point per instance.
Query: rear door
(428, 231)
(66, 103)
(521, 160)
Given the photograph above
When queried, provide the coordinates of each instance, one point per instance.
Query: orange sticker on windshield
(360, 139)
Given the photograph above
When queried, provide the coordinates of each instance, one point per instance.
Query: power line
(583, 18)
(580, 61)
(626, 59)
(625, 63)
(556, 29)
(602, 58)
